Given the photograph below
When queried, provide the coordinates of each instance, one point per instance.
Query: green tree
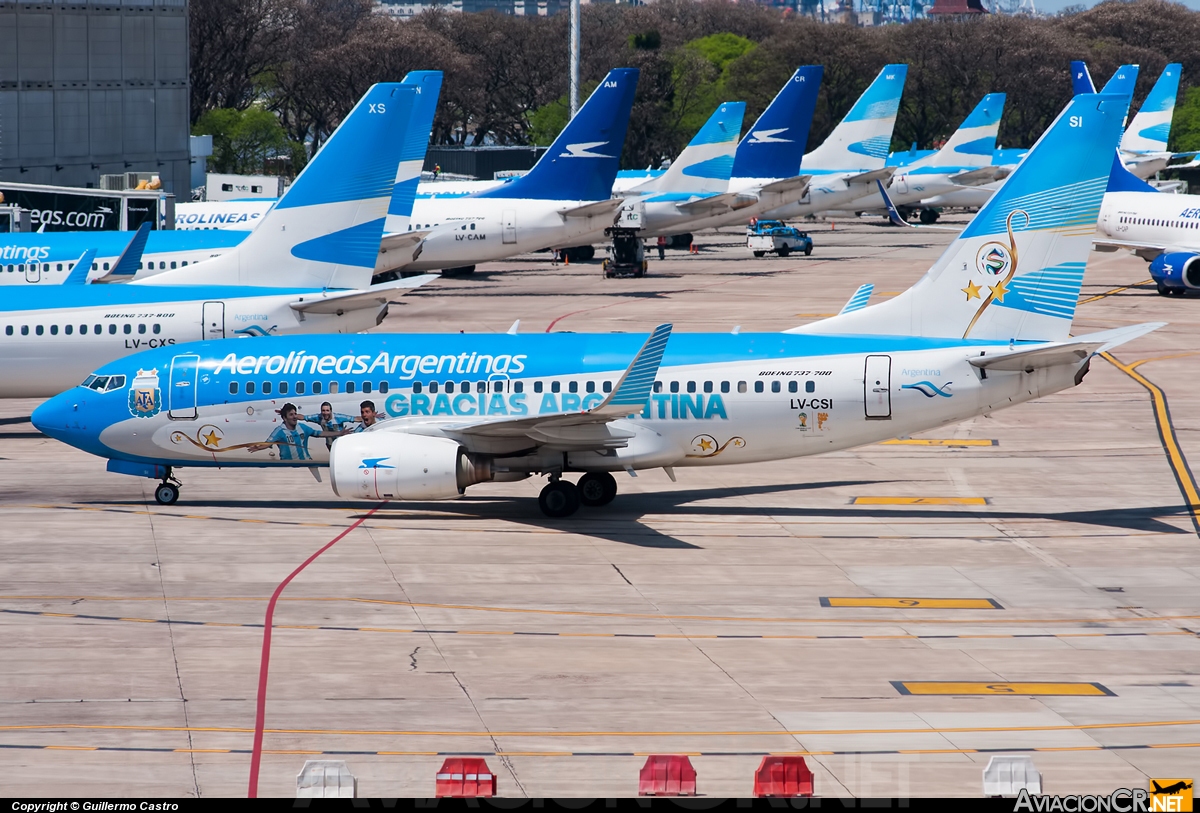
(244, 140)
(1185, 127)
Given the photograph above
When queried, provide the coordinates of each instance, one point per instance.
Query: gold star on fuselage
(998, 291)
(706, 444)
(212, 439)
(972, 291)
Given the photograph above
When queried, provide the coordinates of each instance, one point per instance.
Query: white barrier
(326, 779)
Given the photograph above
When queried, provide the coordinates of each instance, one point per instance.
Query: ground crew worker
(662, 247)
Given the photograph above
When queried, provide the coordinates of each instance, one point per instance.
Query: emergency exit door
(33, 272)
(877, 386)
(510, 225)
(213, 317)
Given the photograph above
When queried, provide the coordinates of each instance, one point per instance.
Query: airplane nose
(59, 417)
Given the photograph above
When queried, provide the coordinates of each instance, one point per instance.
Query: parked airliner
(983, 330)
(282, 279)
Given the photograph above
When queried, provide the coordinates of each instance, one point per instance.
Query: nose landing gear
(561, 498)
(167, 492)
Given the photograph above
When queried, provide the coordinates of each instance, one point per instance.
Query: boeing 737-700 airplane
(305, 269)
(986, 328)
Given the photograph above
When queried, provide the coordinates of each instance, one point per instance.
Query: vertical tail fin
(862, 140)
(1122, 83)
(706, 163)
(974, 141)
(775, 144)
(325, 230)
(1081, 78)
(1151, 127)
(582, 162)
(428, 86)
(1015, 272)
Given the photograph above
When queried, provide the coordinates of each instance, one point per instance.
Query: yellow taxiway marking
(940, 442)
(941, 687)
(919, 501)
(1114, 291)
(1166, 433)
(913, 603)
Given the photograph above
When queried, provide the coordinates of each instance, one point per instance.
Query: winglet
(633, 390)
(859, 300)
(127, 264)
(79, 273)
(892, 212)
(512, 331)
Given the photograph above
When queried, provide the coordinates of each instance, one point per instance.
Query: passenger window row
(96, 330)
(300, 388)
(759, 386)
(21, 267)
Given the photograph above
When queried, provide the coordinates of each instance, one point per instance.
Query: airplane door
(877, 385)
(33, 272)
(214, 321)
(181, 403)
(510, 225)
(901, 184)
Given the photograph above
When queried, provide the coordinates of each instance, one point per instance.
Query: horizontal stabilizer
(599, 207)
(401, 240)
(872, 175)
(799, 182)
(975, 177)
(718, 203)
(343, 301)
(1071, 352)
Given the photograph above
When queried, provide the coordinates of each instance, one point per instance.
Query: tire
(1179, 291)
(597, 488)
(808, 249)
(460, 271)
(166, 494)
(587, 253)
(785, 250)
(1163, 290)
(559, 499)
(929, 216)
(760, 254)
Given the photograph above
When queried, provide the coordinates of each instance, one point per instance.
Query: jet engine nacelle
(1178, 270)
(400, 466)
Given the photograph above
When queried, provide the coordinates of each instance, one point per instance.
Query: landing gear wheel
(559, 499)
(1163, 290)
(1178, 291)
(929, 216)
(166, 493)
(760, 253)
(597, 488)
(785, 250)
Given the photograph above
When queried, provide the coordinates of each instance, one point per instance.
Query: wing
(590, 429)
(723, 202)
(1147, 251)
(600, 207)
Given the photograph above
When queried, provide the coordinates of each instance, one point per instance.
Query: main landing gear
(561, 498)
(167, 492)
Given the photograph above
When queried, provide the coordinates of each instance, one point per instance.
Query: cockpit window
(116, 382)
(104, 383)
(87, 382)
(99, 382)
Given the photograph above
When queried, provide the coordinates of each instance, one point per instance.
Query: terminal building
(94, 88)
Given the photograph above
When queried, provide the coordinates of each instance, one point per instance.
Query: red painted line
(550, 327)
(260, 713)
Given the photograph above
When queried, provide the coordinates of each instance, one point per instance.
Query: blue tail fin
(1151, 127)
(1122, 180)
(1122, 83)
(326, 229)
(775, 144)
(974, 142)
(706, 163)
(582, 162)
(1015, 272)
(412, 155)
(863, 139)
(1081, 79)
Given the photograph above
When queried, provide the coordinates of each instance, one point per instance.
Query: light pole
(574, 46)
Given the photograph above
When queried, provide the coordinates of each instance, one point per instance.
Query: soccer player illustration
(291, 436)
(368, 414)
(331, 421)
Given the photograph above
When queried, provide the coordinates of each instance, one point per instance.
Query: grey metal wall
(92, 88)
